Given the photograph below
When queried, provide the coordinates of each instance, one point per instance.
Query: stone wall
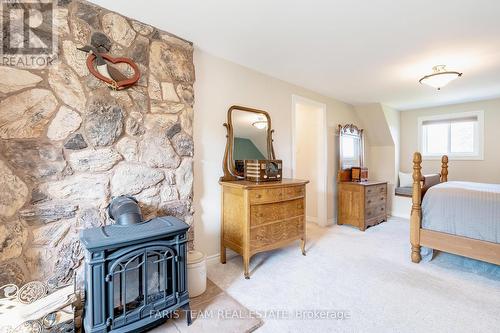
(68, 143)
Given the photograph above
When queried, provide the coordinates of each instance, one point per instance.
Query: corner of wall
(382, 128)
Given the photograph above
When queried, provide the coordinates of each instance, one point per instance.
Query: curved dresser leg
(246, 265)
(222, 254)
(303, 246)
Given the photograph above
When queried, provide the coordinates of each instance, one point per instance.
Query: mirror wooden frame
(352, 130)
(228, 165)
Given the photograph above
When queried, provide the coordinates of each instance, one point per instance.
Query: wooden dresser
(362, 204)
(259, 217)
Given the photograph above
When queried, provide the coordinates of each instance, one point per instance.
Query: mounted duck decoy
(105, 71)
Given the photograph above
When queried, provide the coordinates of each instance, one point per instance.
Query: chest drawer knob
(258, 196)
(369, 201)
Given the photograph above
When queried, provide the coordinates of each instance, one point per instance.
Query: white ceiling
(353, 50)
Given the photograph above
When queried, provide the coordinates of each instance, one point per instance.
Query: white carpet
(370, 276)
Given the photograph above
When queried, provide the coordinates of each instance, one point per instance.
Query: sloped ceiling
(375, 125)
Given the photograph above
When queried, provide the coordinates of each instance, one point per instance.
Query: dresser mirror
(249, 137)
(351, 149)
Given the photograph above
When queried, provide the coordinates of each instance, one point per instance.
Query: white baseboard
(315, 220)
(398, 215)
(401, 216)
(213, 258)
(216, 257)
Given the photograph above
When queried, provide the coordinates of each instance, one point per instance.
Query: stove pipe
(124, 210)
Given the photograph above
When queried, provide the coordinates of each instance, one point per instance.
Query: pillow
(405, 179)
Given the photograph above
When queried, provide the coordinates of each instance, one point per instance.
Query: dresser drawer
(260, 214)
(376, 190)
(293, 208)
(375, 220)
(293, 192)
(265, 213)
(375, 211)
(271, 234)
(265, 195)
(375, 200)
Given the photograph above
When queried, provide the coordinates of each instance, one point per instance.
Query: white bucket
(196, 273)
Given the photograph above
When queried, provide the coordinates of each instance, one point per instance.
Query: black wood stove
(135, 271)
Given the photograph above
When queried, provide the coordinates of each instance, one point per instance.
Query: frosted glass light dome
(261, 123)
(440, 77)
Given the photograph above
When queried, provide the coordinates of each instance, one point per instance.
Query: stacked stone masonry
(68, 143)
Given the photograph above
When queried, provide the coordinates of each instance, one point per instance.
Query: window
(458, 135)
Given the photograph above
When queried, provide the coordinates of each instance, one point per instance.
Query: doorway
(309, 154)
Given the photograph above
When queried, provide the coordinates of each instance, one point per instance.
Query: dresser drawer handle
(382, 209)
(369, 191)
(299, 206)
(369, 201)
(260, 215)
(382, 198)
(258, 196)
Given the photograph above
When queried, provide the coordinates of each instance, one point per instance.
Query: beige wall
(487, 170)
(381, 125)
(394, 123)
(382, 168)
(307, 152)
(220, 84)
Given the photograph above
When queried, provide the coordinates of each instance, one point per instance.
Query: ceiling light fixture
(261, 123)
(440, 77)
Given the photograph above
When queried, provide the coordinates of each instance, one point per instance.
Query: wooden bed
(467, 247)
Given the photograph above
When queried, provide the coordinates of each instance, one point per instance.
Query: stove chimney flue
(124, 210)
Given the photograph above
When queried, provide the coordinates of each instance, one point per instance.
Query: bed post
(444, 169)
(416, 209)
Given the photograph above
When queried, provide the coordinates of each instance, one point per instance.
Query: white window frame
(478, 136)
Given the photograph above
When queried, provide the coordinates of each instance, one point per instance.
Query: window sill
(453, 158)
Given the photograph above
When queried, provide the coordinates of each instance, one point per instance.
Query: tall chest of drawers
(362, 204)
(257, 217)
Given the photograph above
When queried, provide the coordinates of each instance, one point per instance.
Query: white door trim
(322, 167)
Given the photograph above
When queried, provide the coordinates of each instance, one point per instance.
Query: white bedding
(463, 208)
